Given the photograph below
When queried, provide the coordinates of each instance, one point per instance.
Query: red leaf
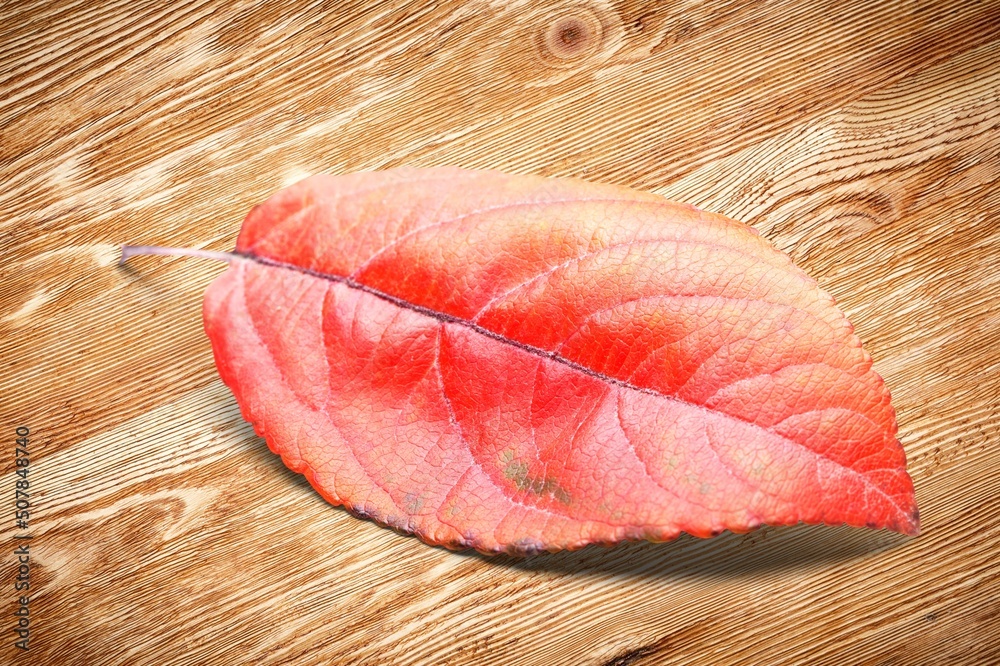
(519, 364)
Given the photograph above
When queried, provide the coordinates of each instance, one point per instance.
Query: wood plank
(862, 138)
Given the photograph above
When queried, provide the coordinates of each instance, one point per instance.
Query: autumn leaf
(518, 364)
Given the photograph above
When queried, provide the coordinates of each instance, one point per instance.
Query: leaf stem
(132, 250)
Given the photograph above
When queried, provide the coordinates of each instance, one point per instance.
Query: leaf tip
(909, 524)
(912, 527)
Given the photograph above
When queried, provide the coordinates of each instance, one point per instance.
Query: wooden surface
(861, 137)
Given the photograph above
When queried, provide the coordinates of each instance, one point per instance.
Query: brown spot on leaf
(519, 474)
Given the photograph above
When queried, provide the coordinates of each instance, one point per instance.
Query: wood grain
(863, 138)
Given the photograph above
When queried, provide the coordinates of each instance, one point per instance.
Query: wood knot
(570, 38)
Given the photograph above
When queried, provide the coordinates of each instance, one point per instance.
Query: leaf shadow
(765, 551)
